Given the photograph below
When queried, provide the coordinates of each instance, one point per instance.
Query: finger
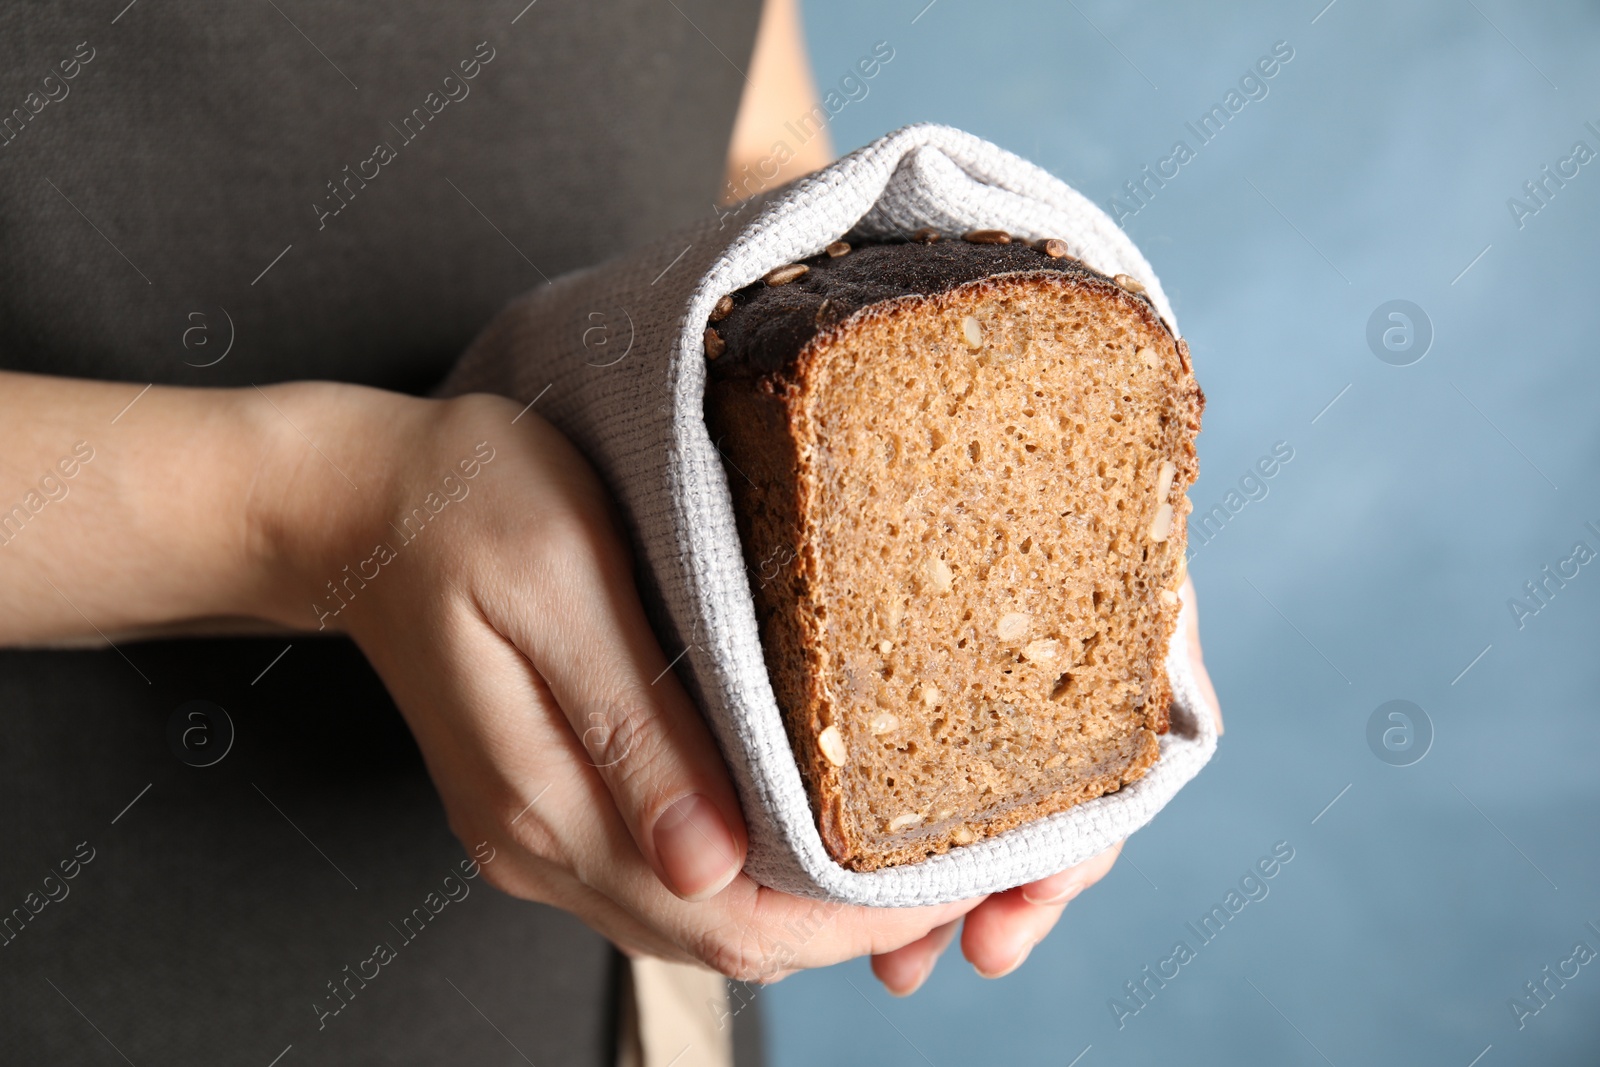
(999, 934)
(513, 873)
(646, 739)
(903, 970)
(616, 689)
(1207, 691)
(512, 775)
(752, 933)
(997, 937)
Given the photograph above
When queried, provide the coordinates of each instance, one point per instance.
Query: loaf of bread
(959, 469)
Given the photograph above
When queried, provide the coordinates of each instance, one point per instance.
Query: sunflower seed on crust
(785, 274)
(715, 345)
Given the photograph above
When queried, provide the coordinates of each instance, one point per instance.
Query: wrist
(324, 493)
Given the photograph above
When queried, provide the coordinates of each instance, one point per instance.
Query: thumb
(638, 727)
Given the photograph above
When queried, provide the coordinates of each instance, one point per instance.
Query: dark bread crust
(770, 325)
(757, 408)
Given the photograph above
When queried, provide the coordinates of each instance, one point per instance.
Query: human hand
(998, 934)
(503, 619)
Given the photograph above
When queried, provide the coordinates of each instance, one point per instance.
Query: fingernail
(1060, 896)
(697, 852)
(1021, 957)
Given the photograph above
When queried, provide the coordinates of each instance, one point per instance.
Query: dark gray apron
(220, 194)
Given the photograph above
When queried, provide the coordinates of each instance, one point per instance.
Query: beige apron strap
(673, 1015)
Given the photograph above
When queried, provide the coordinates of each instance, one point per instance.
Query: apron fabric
(219, 195)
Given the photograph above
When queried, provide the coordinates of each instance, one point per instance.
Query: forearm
(189, 506)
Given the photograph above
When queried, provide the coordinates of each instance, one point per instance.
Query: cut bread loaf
(958, 469)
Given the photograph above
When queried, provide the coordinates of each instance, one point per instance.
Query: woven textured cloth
(614, 357)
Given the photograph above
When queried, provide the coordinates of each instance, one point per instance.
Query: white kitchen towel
(614, 357)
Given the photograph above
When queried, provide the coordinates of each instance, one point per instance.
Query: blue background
(1379, 564)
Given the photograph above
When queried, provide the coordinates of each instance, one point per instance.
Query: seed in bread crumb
(1180, 570)
(1149, 357)
(1129, 282)
(1168, 597)
(715, 345)
(831, 742)
(1044, 650)
(940, 575)
(785, 274)
(987, 237)
(723, 309)
(1161, 525)
(930, 694)
(1169, 471)
(963, 835)
(883, 723)
(904, 822)
(925, 236)
(838, 248)
(1013, 624)
(972, 332)
(1054, 247)
(886, 647)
